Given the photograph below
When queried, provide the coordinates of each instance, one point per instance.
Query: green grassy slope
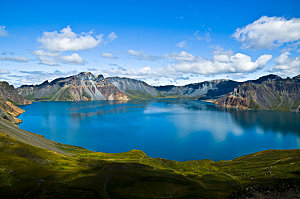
(28, 171)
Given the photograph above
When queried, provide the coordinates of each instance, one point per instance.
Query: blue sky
(160, 42)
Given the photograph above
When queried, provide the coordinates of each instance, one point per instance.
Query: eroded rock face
(82, 87)
(9, 93)
(9, 98)
(267, 93)
(203, 90)
(86, 86)
(130, 86)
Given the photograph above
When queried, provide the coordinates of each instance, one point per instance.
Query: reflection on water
(273, 121)
(173, 129)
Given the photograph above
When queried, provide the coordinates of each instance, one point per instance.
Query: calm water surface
(173, 129)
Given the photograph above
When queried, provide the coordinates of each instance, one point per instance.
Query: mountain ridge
(84, 86)
(269, 92)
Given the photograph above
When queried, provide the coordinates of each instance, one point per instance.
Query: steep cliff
(202, 90)
(9, 93)
(267, 93)
(86, 86)
(136, 89)
(9, 98)
(81, 87)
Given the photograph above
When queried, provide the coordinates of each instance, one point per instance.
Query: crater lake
(172, 129)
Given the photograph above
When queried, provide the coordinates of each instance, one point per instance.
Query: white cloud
(184, 63)
(44, 53)
(182, 56)
(48, 61)
(112, 36)
(3, 31)
(108, 55)
(287, 65)
(181, 44)
(15, 59)
(72, 59)
(220, 64)
(37, 77)
(187, 65)
(142, 55)
(52, 58)
(134, 53)
(269, 32)
(3, 72)
(67, 40)
(142, 73)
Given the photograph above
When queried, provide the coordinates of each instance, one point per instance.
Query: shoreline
(68, 171)
(206, 101)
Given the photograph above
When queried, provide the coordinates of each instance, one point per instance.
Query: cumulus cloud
(54, 58)
(182, 56)
(56, 42)
(72, 59)
(184, 66)
(141, 73)
(268, 32)
(3, 31)
(15, 59)
(67, 40)
(286, 65)
(220, 64)
(108, 55)
(223, 62)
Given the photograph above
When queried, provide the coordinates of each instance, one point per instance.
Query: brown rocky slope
(270, 92)
(9, 98)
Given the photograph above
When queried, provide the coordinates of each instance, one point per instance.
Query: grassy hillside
(28, 171)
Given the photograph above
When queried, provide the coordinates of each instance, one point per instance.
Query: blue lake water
(173, 129)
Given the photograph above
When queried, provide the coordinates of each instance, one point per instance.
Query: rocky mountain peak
(99, 77)
(86, 76)
(297, 77)
(45, 83)
(89, 76)
(267, 78)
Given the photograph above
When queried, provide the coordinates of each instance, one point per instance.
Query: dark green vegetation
(62, 171)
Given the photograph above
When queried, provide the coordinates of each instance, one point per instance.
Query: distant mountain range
(86, 86)
(269, 92)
